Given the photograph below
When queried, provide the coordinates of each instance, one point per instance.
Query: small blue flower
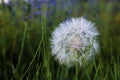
(36, 13)
(24, 8)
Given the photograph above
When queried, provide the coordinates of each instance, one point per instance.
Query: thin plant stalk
(21, 51)
(32, 60)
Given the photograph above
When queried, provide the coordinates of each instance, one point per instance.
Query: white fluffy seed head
(75, 40)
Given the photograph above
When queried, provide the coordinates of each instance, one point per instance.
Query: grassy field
(25, 33)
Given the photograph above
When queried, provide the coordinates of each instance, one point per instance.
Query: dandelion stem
(76, 69)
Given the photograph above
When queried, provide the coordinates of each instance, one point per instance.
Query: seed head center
(76, 43)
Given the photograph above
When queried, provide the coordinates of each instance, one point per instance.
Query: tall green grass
(25, 52)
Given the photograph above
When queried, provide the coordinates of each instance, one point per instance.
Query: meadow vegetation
(25, 32)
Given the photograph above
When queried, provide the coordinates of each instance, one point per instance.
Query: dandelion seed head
(75, 40)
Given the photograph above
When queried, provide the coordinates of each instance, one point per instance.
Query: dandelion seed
(75, 40)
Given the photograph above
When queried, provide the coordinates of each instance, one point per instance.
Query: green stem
(21, 51)
(76, 67)
(76, 71)
(32, 60)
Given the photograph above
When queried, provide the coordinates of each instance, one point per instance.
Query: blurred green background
(25, 32)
